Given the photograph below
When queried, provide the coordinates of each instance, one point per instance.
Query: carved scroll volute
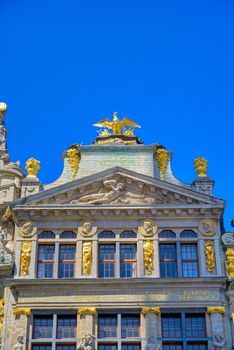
(87, 258)
(26, 248)
(210, 255)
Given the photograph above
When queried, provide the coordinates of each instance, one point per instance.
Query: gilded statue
(26, 247)
(87, 342)
(87, 258)
(87, 229)
(73, 155)
(113, 192)
(201, 166)
(148, 252)
(117, 126)
(230, 262)
(7, 215)
(162, 158)
(147, 229)
(32, 166)
(1, 313)
(207, 227)
(210, 255)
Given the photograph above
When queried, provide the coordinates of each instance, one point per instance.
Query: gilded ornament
(147, 229)
(7, 215)
(3, 106)
(210, 255)
(26, 247)
(21, 311)
(73, 155)
(87, 310)
(201, 166)
(1, 313)
(32, 166)
(207, 227)
(146, 310)
(230, 262)
(87, 258)
(148, 252)
(216, 309)
(162, 158)
(117, 126)
(103, 133)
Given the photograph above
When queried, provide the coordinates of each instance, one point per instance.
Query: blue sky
(168, 65)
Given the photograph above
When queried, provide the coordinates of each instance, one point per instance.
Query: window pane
(42, 347)
(67, 261)
(167, 234)
(68, 234)
(168, 261)
(107, 260)
(195, 326)
(197, 346)
(172, 346)
(130, 347)
(45, 261)
(130, 326)
(171, 326)
(66, 327)
(128, 234)
(66, 347)
(188, 234)
(106, 234)
(128, 260)
(42, 327)
(189, 260)
(107, 346)
(46, 234)
(107, 326)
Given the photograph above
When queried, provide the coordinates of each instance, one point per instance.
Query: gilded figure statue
(162, 158)
(87, 229)
(210, 255)
(117, 126)
(26, 247)
(73, 155)
(201, 166)
(147, 229)
(148, 252)
(32, 166)
(207, 227)
(1, 313)
(87, 258)
(230, 262)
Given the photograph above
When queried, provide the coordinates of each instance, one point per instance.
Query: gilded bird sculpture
(117, 126)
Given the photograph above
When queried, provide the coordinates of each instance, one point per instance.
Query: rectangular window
(107, 346)
(168, 260)
(45, 261)
(42, 347)
(66, 327)
(128, 260)
(130, 347)
(130, 326)
(171, 326)
(42, 327)
(67, 254)
(195, 326)
(107, 260)
(107, 326)
(172, 346)
(66, 347)
(189, 260)
(197, 346)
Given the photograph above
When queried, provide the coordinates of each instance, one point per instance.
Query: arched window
(46, 235)
(106, 234)
(167, 234)
(188, 234)
(68, 234)
(128, 234)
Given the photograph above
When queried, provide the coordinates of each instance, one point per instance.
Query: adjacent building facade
(117, 254)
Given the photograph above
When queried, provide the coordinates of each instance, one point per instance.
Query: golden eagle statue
(117, 126)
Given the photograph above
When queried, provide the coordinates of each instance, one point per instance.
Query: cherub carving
(19, 345)
(87, 342)
(219, 342)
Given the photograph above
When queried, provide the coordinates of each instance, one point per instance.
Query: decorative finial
(201, 166)
(162, 158)
(3, 106)
(74, 157)
(32, 166)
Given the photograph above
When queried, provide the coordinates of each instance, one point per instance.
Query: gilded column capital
(154, 310)
(21, 311)
(216, 309)
(87, 310)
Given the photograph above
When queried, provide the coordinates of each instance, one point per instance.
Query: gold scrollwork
(216, 309)
(26, 247)
(87, 258)
(148, 250)
(230, 262)
(210, 255)
(21, 311)
(7, 215)
(87, 311)
(73, 155)
(162, 158)
(201, 166)
(1, 313)
(154, 310)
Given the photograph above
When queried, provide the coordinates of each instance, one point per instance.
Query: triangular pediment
(117, 187)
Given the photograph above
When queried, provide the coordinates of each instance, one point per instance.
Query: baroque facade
(115, 254)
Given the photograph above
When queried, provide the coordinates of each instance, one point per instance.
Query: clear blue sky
(168, 65)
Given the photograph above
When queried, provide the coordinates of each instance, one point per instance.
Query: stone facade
(134, 257)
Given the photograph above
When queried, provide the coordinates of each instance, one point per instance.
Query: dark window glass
(189, 260)
(128, 260)
(107, 326)
(130, 326)
(47, 234)
(128, 234)
(67, 254)
(66, 327)
(107, 346)
(196, 346)
(42, 327)
(168, 261)
(106, 260)
(195, 326)
(188, 234)
(171, 326)
(42, 347)
(106, 234)
(65, 347)
(167, 234)
(45, 261)
(68, 234)
(130, 346)
(172, 346)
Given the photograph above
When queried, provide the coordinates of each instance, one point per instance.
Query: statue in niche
(152, 345)
(113, 192)
(147, 229)
(20, 344)
(87, 342)
(87, 229)
(218, 342)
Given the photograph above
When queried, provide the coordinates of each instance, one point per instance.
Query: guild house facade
(116, 254)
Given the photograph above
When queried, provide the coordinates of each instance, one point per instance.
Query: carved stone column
(86, 320)
(21, 324)
(217, 324)
(151, 325)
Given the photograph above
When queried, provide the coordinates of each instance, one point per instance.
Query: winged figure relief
(118, 126)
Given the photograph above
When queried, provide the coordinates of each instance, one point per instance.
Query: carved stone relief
(87, 342)
(147, 228)
(28, 229)
(87, 229)
(207, 227)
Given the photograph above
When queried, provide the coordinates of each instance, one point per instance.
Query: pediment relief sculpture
(207, 227)
(87, 229)
(147, 228)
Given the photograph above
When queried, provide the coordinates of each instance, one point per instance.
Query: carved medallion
(207, 227)
(28, 229)
(87, 229)
(147, 229)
